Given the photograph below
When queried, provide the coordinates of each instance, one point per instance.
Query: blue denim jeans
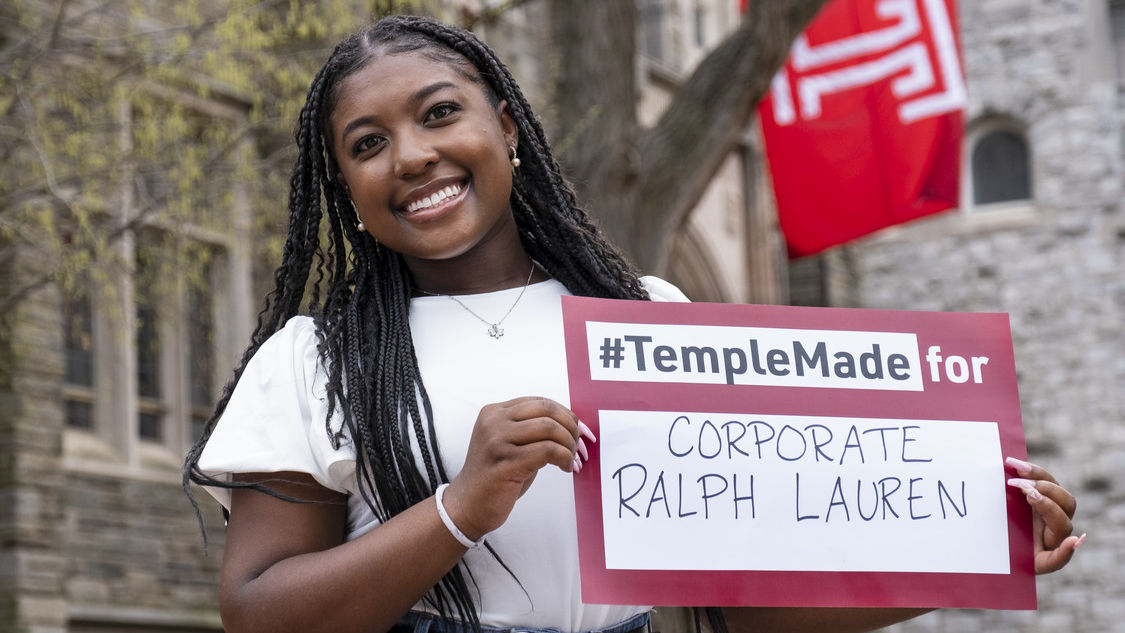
(418, 622)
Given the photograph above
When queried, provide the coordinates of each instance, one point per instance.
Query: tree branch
(708, 115)
(137, 220)
(44, 161)
(470, 18)
(9, 302)
(56, 28)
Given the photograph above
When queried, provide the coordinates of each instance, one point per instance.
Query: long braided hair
(362, 324)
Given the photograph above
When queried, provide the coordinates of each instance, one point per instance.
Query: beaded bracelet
(449, 524)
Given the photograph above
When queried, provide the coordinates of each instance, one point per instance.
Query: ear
(508, 125)
(340, 181)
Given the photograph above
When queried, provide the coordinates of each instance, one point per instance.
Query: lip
(437, 211)
(427, 190)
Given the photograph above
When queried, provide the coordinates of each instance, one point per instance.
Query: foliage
(118, 115)
(122, 114)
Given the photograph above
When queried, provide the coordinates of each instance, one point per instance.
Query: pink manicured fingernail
(1018, 465)
(1081, 540)
(585, 432)
(575, 466)
(1027, 486)
(582, 449)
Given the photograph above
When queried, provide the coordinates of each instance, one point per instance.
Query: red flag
(863, 124)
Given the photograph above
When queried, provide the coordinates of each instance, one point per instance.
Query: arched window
(1000, 164)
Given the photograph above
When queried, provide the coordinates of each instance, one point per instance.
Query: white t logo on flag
(902, 50)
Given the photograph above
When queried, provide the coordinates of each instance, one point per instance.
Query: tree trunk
(641, 184)
(595, 92)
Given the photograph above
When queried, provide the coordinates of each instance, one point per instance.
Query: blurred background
(144, 161)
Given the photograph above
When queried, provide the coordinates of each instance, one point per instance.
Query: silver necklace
(494, 329)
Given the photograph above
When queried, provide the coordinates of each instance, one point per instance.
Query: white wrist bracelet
(449, 524)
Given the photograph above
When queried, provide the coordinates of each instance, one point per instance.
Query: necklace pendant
(495, 331)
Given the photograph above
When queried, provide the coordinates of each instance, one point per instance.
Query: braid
(290, 278)
(376, 398)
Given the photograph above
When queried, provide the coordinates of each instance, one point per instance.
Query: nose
(413, 155)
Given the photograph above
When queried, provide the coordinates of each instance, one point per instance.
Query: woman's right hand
(511, 441)
(287, 566)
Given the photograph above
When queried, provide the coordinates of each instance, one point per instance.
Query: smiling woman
(420, 161)
(423, 153)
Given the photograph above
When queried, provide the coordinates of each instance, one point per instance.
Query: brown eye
(366, 144)
(441, 111)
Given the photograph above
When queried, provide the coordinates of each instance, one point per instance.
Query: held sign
(783, 456)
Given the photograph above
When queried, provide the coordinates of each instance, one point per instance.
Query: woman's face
(424, 155)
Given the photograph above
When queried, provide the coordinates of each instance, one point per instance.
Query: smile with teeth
(435, 198)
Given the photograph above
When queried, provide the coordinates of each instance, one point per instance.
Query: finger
(586, 432)
(535, 456)
(525, 432)
(1048, 561)
(1029, 471)
(1059, 495)
(519, 463)
(534, 407)
(1056, 523)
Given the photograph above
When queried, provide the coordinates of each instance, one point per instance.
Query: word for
(956, 367)
(888, 498)
(812, 442)
(800, 360)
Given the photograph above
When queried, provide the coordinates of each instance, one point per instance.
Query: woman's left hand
(1053, 509)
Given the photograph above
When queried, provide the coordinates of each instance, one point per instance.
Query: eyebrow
(413, 100)
(429, 90)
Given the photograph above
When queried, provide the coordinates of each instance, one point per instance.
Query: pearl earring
(359, 223)
(514, 161)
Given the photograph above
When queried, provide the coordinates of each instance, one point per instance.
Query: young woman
(435, 324)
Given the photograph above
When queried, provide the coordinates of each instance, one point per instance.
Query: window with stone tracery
(159, 309)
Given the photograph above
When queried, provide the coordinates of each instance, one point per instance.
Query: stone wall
(81, 550)
(134, 554)
(30, 453)
(1057, 267)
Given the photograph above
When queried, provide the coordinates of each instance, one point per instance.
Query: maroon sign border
(996, 399)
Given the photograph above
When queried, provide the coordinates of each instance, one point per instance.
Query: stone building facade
(105, 379)
(95, 532)
(1051, 74)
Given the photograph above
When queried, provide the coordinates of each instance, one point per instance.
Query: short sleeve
(276, 417)
(660, 290)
